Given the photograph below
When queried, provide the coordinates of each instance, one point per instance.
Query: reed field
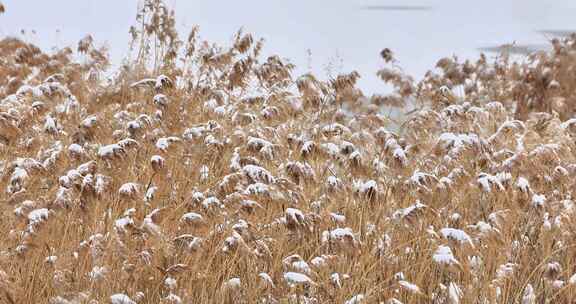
(201, 173)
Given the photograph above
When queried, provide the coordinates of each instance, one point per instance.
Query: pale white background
(342, 32)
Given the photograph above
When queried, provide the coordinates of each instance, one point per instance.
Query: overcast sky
(353, 32)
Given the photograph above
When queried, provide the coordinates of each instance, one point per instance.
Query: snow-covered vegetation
(207, 174)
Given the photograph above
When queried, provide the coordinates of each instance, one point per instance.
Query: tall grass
(208, 174)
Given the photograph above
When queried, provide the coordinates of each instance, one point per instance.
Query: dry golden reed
(207, 174)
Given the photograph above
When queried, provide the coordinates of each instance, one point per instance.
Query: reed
(208, 174)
